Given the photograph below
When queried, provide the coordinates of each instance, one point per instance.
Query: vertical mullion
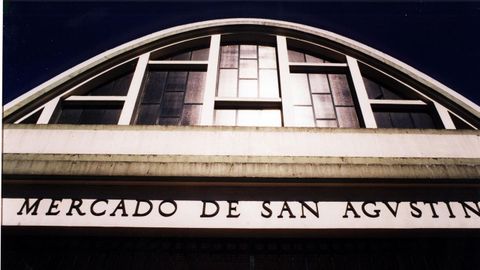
(211, 82)
(284, 74)
(444, 116)
(362, 96)
(48, 111)
(134, 90)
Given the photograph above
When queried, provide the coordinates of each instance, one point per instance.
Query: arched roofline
(282, 26)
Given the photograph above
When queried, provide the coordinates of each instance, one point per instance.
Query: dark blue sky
(43, 39)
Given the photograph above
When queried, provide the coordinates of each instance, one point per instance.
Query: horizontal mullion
(248, 103)
(96, 98)
(298, 67)
(179, 65)
(397, 102)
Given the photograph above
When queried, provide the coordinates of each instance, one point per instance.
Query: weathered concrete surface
(294, 168)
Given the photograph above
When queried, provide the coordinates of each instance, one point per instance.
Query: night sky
(42, 39)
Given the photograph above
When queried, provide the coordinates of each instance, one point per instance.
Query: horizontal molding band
(296, 168)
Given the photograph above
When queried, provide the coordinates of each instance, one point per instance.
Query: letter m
(29, 208)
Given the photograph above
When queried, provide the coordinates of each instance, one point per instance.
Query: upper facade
(245, 72)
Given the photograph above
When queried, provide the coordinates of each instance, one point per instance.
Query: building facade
(244, 143)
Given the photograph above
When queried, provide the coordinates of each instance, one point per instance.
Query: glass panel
(248, 52)
(89, 114)
(148, 114)
(389, 94)
(229, 56)
(267, 57)
(304, 116)
(32, 119)
(401, 120)
(327, 123)
(227, 84)
(340, 89)
(422, 120)
(225, 117)
(268, 84)
(200, 55)
(259, 118)
(248, 69)
(248, 117)
(182, 56)
(114, 87)
(323, 106)
(319, 83)
(373, 89)
(300, 90)
(347, 117)
(294, 56)
(195, 87)
(459, 123)
(70, 115)
(154, 87)
(172, 104)
(172, 121)
(383, 119)
(176, 81)
(312, 59)
(247, 88)
(191, 115)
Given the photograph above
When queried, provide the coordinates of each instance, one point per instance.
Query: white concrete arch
(217, 25)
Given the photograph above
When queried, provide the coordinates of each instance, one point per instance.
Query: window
(322, 95)
(245, 77)
(396, 105)
(248, 92)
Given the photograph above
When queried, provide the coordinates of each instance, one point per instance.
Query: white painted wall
(238, 141)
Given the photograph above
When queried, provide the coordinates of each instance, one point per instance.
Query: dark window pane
(248, 52)
(172, 121)
(200, 55)
(182, 56)
(32, 119)
(373, 89)
(319, 83)
(389, 94)
(191, 115)
(422, 120)
(70, 115)
(229, 56)
(340, 89)
(117, 86)
(378, 90)
(148, 114)
(89, 114)
(154, 87)
(294, 56)
(383, 119)
(401, 120)
(459, 123)
(347, 117)
(172, 104)
(176, 81)
(195, 87)
(323, 106)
